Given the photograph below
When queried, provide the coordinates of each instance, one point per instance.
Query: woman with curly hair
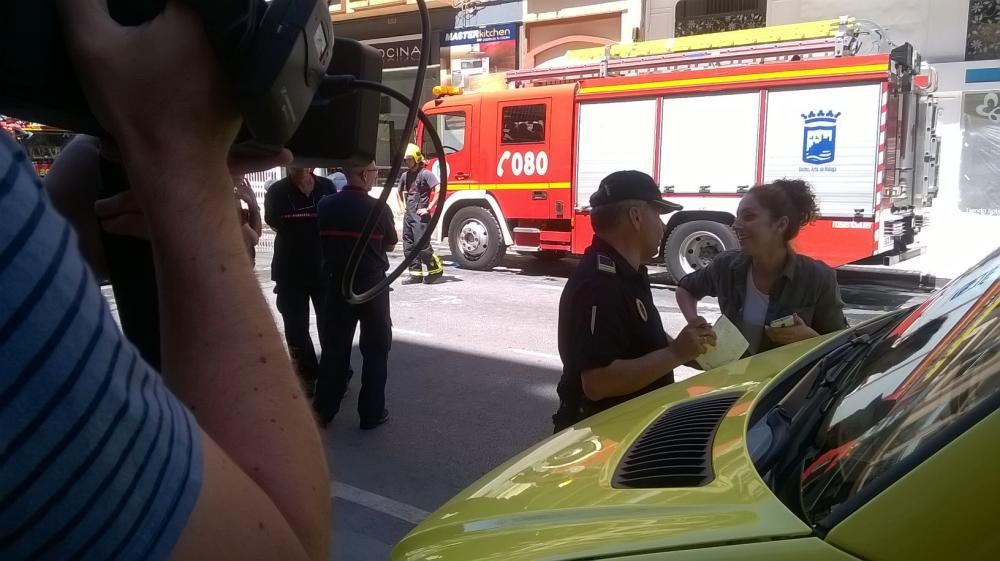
(772, 294)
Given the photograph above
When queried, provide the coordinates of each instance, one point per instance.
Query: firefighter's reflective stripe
(507, 186)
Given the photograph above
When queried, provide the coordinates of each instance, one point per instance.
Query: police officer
(290, 210)
(611, 339)
(341, 218)
(418, 192)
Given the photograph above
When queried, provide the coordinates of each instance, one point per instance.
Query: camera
(275, 55)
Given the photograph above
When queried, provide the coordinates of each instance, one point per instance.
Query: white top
(755, 306)
(339, 180)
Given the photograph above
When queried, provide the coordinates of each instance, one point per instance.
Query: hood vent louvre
(676, 450)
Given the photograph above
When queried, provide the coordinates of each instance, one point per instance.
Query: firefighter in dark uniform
(341, 219)
(290, 210)
(418, 192)
(611, 339)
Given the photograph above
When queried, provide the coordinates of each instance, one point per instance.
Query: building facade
(940, 29)
(468, 38)
(552, 27)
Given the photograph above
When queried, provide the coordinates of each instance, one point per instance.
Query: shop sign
(484, 34)
(402, 54)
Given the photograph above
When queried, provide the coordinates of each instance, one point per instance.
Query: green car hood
(556, 501)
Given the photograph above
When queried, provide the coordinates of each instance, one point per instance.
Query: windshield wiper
(803, 406)
(793, 420)
(828, 384)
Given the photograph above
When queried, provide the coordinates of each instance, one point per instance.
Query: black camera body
(275, 55)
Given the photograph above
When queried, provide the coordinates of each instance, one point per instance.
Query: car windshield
(939, 363)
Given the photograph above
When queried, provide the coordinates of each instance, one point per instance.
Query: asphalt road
(472, 378)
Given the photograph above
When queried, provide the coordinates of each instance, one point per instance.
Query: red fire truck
(41, 142)
(707, 117)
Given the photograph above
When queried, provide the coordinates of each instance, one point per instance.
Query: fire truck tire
(475, 239)
(693, 245)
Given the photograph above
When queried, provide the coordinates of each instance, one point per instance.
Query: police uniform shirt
(297, 254)
(418, 186)
(606, 313)
(342, 217)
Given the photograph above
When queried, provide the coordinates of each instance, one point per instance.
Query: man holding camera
(215, 457)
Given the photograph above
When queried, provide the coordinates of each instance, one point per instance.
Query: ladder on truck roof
(804, 41)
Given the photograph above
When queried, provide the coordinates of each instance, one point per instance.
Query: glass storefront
(391, 122)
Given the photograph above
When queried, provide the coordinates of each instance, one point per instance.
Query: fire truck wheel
(693, 245)
(475, 239)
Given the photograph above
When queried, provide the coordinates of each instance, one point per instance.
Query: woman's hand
(245, 192)
(788, 335)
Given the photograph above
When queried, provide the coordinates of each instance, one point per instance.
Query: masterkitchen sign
(484, 34)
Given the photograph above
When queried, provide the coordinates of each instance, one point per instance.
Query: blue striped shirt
(98, 460)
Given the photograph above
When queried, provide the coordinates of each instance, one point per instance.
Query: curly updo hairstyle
(792, 198)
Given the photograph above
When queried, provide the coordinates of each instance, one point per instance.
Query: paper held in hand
(730, 346)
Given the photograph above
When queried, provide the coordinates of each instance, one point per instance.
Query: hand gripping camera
(275, 55)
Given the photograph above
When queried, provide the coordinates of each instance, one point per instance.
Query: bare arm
(433, 198)
(256, 224)
(697, 285)
(626, 376)
(245, 397)
(250, 236)
(687, 303)
(73, 185)
(623, 377)
(264, 494)
(246, 193)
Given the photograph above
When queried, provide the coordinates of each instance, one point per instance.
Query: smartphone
(787, 321)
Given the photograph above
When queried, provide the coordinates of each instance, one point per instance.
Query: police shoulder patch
(606, 264)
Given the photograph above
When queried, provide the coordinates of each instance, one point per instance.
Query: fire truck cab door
(452, 124)
(525, 168)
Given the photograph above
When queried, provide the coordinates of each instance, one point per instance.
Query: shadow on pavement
(445, 279)
(454, 416)
(527, 265)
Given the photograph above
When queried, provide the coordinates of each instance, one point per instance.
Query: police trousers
(293, 304)
(414, 227)
(342, 321)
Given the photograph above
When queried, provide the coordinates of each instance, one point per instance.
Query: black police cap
(630, 185)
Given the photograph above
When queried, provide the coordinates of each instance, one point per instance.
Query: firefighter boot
(435, 272)
(416, 273)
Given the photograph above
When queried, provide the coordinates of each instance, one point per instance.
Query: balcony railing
(349, 7)
(696, 17)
